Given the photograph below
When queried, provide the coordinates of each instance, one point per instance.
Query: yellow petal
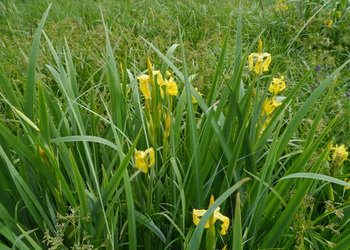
(211, 201)
(258, 69)
(144, 86)
(277, 85)
(251, 62)
(150, 151)
(171, 88)
(225, 222)
(196, 213)
(160, 80)
(267, 62)
(340, 154)
(216, 216)
(140, 162)
(266, 101)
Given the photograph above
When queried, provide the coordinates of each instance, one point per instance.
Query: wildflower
(144, 159)
(144, 86)
(261, 64)
(171, 87)
(280, 6)
(214, 217)
(339, 14)
(328, 22)
(194, 100)
(318, 68)
(340, 154)
(269, 106)
(277, 85)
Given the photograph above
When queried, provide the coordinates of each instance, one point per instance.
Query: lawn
(174, 124)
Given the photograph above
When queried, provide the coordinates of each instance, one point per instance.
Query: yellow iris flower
(328, 22)
(280, 6)
(261, 63)
(340, 154)
(215, 216)
(339, 14)
(277, 85)
(144, 159)
(171, 87)
(269, 106)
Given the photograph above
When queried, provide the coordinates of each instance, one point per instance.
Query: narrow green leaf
(113, 184)
(86, 138)
(11, 237)
(80, 188)
(191, 125)
(11, 94)
(299, 116)
(317, 177)
(26, 119)
(34, 206)
(150, 225)
(342, 245)
(26, 235)
(43, 114)
(29, 95)
(237, 226)
(131, 213)
(284, 220)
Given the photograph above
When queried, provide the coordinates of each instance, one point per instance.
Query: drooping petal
(171, 88)
(250, 59)
(267, 61)
(160, 80)
(199, 213)
(140, 162)
(144, 86)
(225, 222)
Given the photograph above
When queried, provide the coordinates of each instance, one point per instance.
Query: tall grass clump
(148, 161)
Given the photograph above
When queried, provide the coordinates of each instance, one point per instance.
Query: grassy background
(72, 116)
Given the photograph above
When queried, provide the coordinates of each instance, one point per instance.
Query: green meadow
(187, 124)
